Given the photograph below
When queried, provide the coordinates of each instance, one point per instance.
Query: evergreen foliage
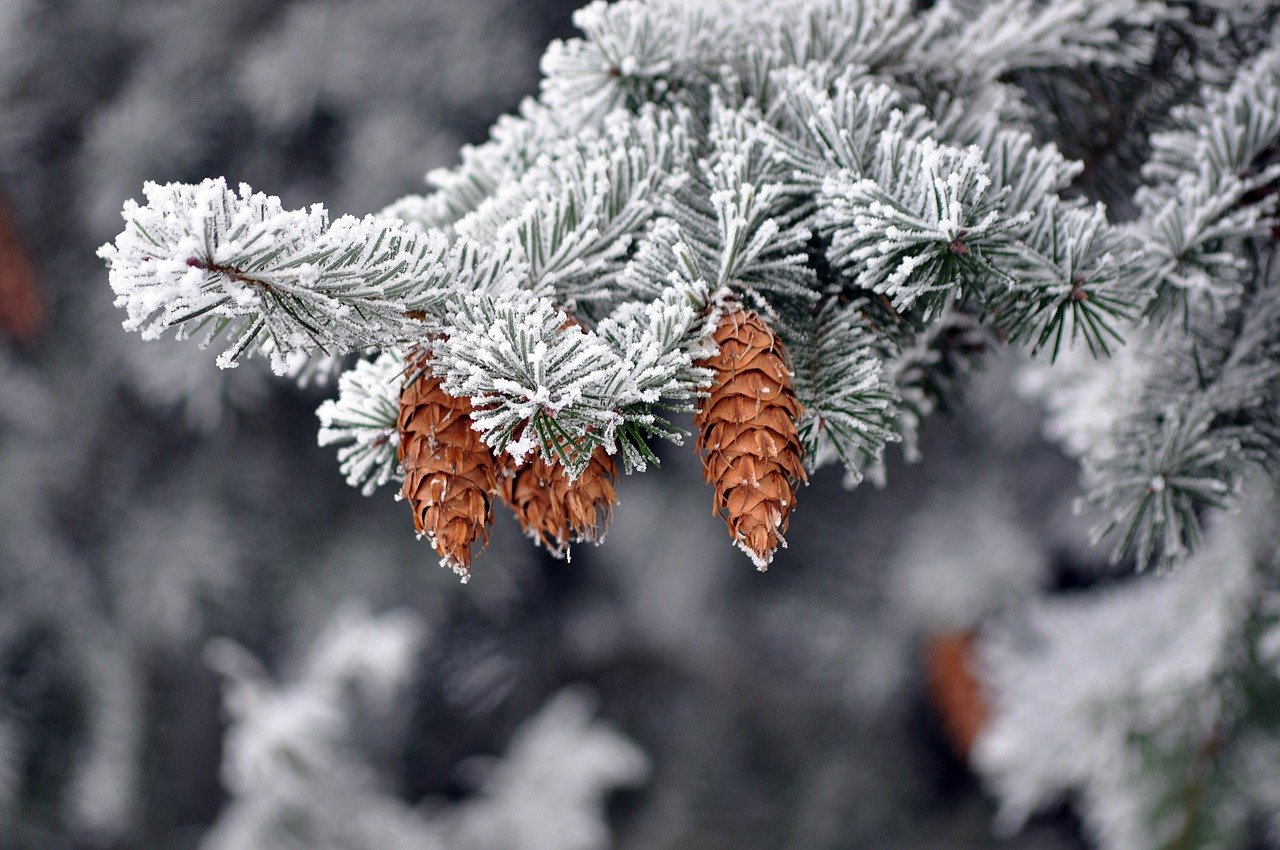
(850, 176)
(898, 188)
(720, 158)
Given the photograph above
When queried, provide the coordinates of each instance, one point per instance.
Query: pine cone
(752, 454)
(22, 315)
(954, 688)
(555, 511)
(450, 475)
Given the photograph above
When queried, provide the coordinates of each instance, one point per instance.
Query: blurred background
(208, 640)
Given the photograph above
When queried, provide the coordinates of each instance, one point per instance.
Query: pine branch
(838, 127)
(535, 379)
(871, 34)
(923, 224)
(514, 144)
(1210, 187)
(209, 261)
(849, 409)
(1153, 485)
(728, 221)
(659, 343)
(1208, 418)
(362, 421)
(636, 53)
(1074, 280)
(573, 215)
(1015, 35)
(861, 175)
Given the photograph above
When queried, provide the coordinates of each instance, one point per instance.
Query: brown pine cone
(747, 435)
(22, 314)
(954, 688)
(555, 511)
(450, 475)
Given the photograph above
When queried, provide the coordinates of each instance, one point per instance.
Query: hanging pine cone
(555, 511)
(954, 688)
(22, 315)
(449, 473)
(747, 435)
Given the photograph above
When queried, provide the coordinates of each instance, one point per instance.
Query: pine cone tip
(459, 566)
(762, 549)
(462, 571)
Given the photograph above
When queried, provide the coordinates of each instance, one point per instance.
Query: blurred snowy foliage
(965, 556)
(1143, 698)
(548, 791)
(289, 759)
(294, 768)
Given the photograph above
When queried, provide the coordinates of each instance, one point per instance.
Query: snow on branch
(1129, 697)
(922, 222)
(362, 421)
(535, 378)
(1210, 186)
(839, 126)
(867, 177)
(1207, 417)
(658, 344)
(213, 262)
(849, 406)
(1073, 279)
(636, 53)
(1017, 35)
(726, 223)
(573, 216)
(837, 34)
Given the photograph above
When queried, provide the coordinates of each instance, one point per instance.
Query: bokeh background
(208, 640)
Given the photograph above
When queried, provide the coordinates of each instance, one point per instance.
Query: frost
(290, 762)
(1088, 689)
(362, 421)
(217, 263)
